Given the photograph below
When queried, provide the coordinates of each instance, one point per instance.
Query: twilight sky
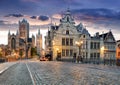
(96, 15)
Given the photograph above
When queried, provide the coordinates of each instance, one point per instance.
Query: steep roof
(54, 27)
(103, 35)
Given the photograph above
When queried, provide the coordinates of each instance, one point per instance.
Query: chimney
(97, 34)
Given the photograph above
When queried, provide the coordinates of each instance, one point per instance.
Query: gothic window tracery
(13, 43)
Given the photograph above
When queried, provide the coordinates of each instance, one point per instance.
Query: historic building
(20, 43)
(118, 52)
(67, 40)
(39, 43)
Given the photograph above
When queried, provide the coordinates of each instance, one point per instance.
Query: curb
(3, 70)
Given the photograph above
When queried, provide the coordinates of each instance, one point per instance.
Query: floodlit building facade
(20, 43)
(67, 40)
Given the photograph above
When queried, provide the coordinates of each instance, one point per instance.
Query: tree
(21, 54)
(33, 51)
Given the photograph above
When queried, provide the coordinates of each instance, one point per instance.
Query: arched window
(68, 19)
(13, 43)
(67, 32)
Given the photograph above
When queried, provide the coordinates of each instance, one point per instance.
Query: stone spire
(39, 31)
(9, 32)
(17, 32)
(33, 36)
(68, 11)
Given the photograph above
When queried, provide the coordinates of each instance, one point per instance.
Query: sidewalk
(5, 66)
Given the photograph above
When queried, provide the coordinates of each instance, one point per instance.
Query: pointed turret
(33, 36)
(39, 31)
(17, 32)
(68, 11)
(67, 18)
(24, 20)
(9, 32)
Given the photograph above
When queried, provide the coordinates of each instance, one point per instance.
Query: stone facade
(118, 49)
(118, 52)
(39, 43)
(64, 41)
(21, 43)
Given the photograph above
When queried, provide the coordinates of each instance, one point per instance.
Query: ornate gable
(67, 18)
(109, 37)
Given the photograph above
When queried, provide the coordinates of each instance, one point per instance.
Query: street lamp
(79, 44)
(58, 57)
(57, 51)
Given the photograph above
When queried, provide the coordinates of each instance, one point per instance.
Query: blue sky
(96, 15)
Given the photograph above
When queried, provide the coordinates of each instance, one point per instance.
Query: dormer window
(67, 32)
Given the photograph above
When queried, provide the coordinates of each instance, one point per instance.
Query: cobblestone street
(63, 73)
(16, 75)
(59, 73)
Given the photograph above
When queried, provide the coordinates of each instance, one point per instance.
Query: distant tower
(17, 40)
(33, 40)
(24, 29)
(9, 40)
(39, 42)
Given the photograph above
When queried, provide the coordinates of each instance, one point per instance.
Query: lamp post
(57, 49)
(79, 44)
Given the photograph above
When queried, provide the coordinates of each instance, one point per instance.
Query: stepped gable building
(20, 42)
(67, 40)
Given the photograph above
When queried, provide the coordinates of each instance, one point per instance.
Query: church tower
(39, 42)
(9, 44)
(24, 29)
(17, 40)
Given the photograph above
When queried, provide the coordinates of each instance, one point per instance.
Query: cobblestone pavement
(63, 73)
(16, 75)
(6, 65)
(59, 73)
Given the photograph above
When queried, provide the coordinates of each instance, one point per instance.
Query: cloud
(33, 17)
(96, 14)
(43, 18)
(57, 16)
(14, 15)
(2, 22)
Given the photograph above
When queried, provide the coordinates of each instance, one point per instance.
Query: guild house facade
(67, 40)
